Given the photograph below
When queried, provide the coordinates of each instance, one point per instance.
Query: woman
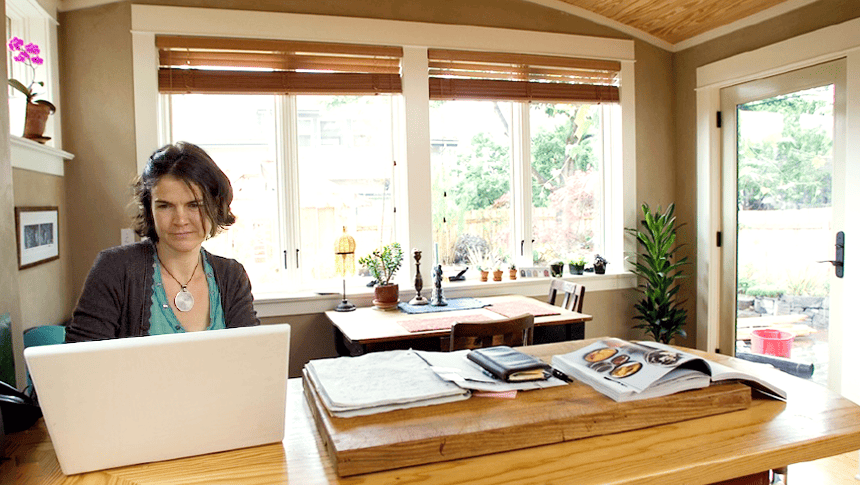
(167, 283)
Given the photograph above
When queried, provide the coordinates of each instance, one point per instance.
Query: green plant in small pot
(577, 265)
(383, 263)
(512, 271)
(660, 312)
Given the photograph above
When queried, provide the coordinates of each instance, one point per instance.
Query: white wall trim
(804, 50)
(29, 155)
(822, 45)
(324, 28)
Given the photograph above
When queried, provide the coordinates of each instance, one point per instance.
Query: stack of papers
(379, 382)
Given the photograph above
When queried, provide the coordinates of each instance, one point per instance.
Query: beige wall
(98, 126)
(48, 298)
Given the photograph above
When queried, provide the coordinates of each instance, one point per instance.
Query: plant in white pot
(383, 263)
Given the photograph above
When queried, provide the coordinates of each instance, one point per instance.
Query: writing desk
(368, 329)
(813, 424)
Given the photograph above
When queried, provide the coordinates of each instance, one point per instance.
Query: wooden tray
(480, 426)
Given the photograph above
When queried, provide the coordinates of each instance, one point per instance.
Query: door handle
(839, 261)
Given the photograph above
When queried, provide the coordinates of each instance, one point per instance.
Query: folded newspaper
(629, 371)
(379, 382)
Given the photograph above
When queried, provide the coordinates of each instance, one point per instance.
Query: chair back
(41, 335)
(7, 359)
(44, 335)
(574, 294)
(512, 332)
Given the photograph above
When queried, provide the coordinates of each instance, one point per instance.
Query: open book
(629, 371)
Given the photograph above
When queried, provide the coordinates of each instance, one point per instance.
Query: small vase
(497, 275)
(484, 275)
(35, 120)
(513, 274)
(576, 269)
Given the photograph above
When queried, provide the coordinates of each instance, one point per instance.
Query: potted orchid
(37, 110)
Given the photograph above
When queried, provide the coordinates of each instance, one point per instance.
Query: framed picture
(38, 235)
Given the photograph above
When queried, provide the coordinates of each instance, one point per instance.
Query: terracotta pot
(513, 274)
(497, 275)
(387, 297)
(484, 275)
(35, 120)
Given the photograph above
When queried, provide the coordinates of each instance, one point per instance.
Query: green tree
(793, 170)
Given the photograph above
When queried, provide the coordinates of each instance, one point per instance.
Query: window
(500, 113)
(302, 166)
(422, 151)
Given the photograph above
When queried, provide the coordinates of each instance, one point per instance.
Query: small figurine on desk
(436, 298)
(419, 282)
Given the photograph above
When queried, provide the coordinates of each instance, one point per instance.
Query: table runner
(515, 308)
(453, 304)
(438, 323)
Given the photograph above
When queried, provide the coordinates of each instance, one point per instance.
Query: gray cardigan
(117, 294)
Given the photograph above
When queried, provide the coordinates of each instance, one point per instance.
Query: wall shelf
(30, 155)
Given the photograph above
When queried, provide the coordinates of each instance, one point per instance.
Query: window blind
(521, 77)
(254, 66)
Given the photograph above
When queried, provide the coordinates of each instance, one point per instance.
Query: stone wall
(816, 308)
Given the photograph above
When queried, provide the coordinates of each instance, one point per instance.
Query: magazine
(629, 371)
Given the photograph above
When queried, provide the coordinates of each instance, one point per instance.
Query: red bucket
(772, 342)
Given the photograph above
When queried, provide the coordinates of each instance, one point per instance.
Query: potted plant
(478, 259)
(38, 111)
(557, 268)
(512, 271)
(497, 271)
(577, 265)
(383, 263)
(661, 315)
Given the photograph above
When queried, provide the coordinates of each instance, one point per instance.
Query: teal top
(162, 320)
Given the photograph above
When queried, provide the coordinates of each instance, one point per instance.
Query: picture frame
(37, 232)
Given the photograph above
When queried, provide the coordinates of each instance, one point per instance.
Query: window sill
(278, 305)
(29, 155)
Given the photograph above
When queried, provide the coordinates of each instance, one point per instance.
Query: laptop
(120, 402)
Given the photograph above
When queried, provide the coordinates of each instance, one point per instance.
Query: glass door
(781, 215)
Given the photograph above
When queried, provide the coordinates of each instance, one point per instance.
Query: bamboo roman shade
(254, 66)
(521, 77)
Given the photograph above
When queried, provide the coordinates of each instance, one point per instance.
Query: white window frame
(414, 219)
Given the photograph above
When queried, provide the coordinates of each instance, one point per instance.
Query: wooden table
(813, 424)
(368, 329)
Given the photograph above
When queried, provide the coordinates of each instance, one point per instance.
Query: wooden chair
(512, 332)
(574, 294)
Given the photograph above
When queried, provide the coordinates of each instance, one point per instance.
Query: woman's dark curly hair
(192, 165)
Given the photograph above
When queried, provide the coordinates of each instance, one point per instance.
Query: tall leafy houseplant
(661, 316)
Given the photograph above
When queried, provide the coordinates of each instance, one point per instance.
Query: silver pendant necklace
(183, 300)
